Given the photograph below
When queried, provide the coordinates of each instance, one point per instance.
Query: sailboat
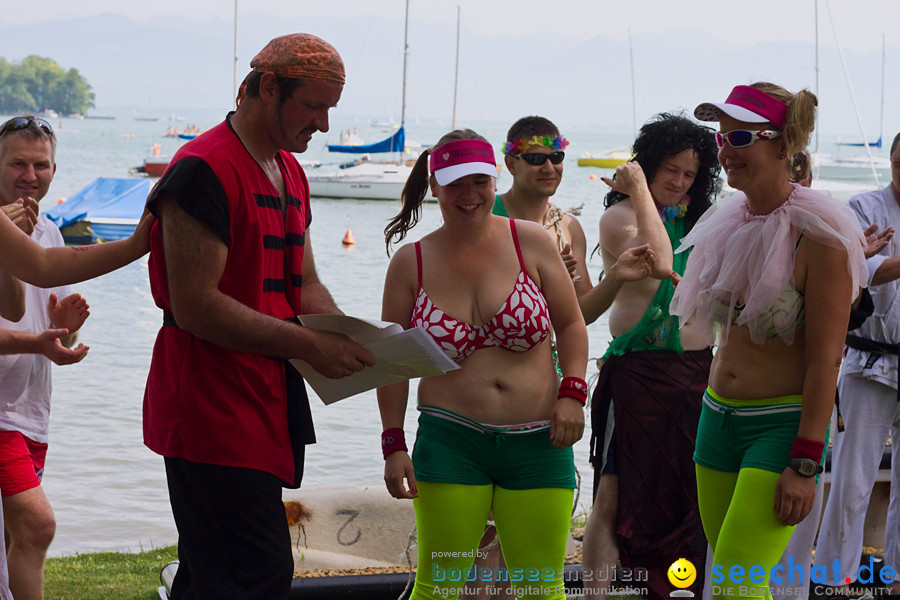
(610, 159)
(854, 167)
(365, 178)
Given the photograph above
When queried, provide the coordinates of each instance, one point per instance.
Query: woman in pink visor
(495, 435)
(775, 268)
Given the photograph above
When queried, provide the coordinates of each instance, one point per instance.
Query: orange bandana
(301, 56)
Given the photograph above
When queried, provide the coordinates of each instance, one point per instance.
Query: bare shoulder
(400, 285)
(814, 257)
(403, 258)
(618, 215)
(817, 253)
(618, 227)
(532, 234)
(573, 225)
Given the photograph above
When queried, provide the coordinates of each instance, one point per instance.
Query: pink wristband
(573, 387)
(392, 440)
(805, 448)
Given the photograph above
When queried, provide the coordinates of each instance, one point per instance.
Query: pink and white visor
(746, 103)
(459, 158)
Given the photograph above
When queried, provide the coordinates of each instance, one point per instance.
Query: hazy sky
(565, 59)
(861, 22)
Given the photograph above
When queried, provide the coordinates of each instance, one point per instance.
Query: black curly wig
(667, 134)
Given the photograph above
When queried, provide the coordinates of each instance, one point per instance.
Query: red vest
(203, 402)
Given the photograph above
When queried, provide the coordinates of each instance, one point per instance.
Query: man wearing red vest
(231, 266)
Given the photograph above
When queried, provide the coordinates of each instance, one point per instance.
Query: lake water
(107, 489)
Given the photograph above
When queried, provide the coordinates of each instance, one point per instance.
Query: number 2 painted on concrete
(352, 514)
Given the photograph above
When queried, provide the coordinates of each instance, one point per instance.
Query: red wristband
(804, 448)
(573, 387)
(392, 440)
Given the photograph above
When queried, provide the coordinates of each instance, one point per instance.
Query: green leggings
(533, 527)
(742, 528)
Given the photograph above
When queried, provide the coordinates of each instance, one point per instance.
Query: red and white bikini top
(522, 322)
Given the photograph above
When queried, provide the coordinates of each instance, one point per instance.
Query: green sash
(657, 329)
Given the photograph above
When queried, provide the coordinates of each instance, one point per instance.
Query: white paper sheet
(399, 355)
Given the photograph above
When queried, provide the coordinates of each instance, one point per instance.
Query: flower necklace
(677, 211)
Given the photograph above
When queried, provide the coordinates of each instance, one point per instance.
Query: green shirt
(499, 209)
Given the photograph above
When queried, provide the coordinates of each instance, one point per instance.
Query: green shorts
(452, 448)
(737, 434)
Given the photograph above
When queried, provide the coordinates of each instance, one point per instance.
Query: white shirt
(25, 383)
(878, 207)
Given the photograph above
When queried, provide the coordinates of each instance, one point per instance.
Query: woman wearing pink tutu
(775, 268)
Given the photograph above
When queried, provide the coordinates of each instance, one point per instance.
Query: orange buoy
(348, 240)
(592, 177)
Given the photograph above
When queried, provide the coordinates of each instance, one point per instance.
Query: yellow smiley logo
(682, 573)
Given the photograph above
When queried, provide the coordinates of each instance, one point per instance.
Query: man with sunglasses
(231, 265)
(535, 152)
(27, 166)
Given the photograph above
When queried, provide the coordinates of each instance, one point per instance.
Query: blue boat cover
(395, 143)
(105, 197)
(876, 144)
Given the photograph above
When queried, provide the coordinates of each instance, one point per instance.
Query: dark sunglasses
(539, 158)
(17, 123)
(741, 138)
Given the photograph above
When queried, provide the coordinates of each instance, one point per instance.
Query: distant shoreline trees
(38, 84)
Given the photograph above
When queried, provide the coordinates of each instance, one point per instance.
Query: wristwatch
(806, 467)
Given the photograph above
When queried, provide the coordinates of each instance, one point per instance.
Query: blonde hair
(801, 115)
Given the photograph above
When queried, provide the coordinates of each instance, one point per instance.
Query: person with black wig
(645, 498)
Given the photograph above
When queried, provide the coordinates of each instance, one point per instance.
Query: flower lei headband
(519, 146)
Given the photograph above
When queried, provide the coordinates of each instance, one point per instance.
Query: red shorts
(21, 463)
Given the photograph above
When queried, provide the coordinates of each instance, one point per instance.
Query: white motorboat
(364, 180)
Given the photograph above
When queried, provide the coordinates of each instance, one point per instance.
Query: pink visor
(459, 158)
(748, 104)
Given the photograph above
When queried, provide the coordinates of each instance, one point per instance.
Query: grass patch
(106, 575)
(127, 576)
